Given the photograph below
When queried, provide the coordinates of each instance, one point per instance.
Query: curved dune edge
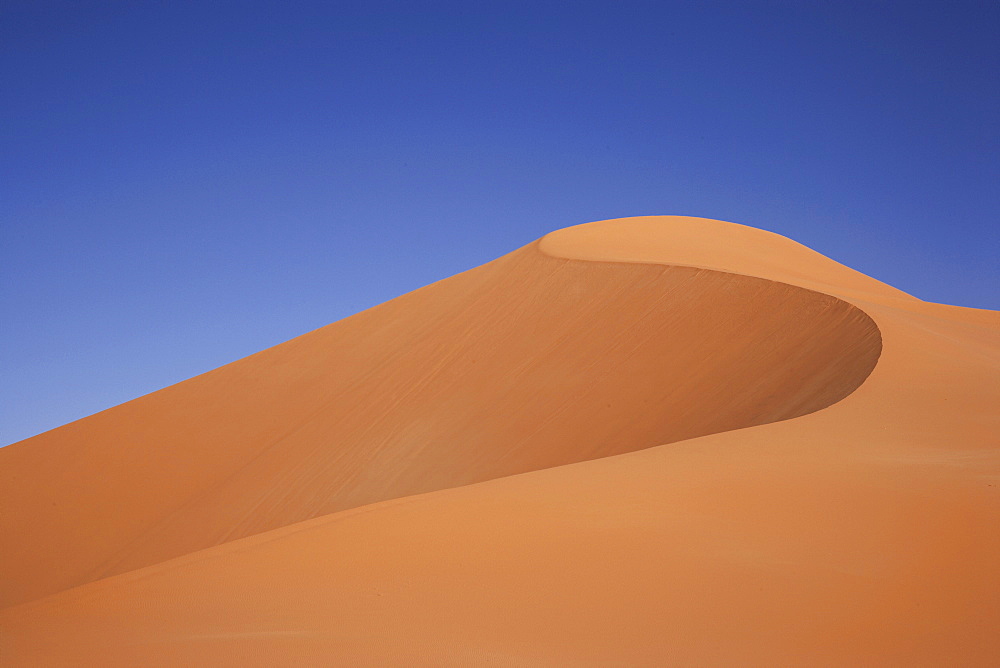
(715, 245)
(862, 533)
(545, 361)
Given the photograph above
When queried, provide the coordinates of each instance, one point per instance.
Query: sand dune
(647, 441)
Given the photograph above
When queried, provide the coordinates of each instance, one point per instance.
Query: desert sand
(646, 441)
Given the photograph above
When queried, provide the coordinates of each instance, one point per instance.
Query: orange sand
(648, 441)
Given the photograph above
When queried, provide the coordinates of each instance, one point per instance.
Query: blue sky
(186, 183)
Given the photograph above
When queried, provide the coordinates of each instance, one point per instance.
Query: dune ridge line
(473, 378)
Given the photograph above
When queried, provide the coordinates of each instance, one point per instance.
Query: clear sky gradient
(185, 183)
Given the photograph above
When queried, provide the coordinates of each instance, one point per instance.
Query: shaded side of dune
(526, 363)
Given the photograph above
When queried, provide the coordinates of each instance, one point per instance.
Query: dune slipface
(651, 441)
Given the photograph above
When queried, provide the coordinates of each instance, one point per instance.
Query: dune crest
(606, 447)
(714, 244)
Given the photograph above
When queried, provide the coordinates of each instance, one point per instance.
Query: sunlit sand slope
(706, 528)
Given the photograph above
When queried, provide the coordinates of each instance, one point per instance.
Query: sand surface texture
(647, 441)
